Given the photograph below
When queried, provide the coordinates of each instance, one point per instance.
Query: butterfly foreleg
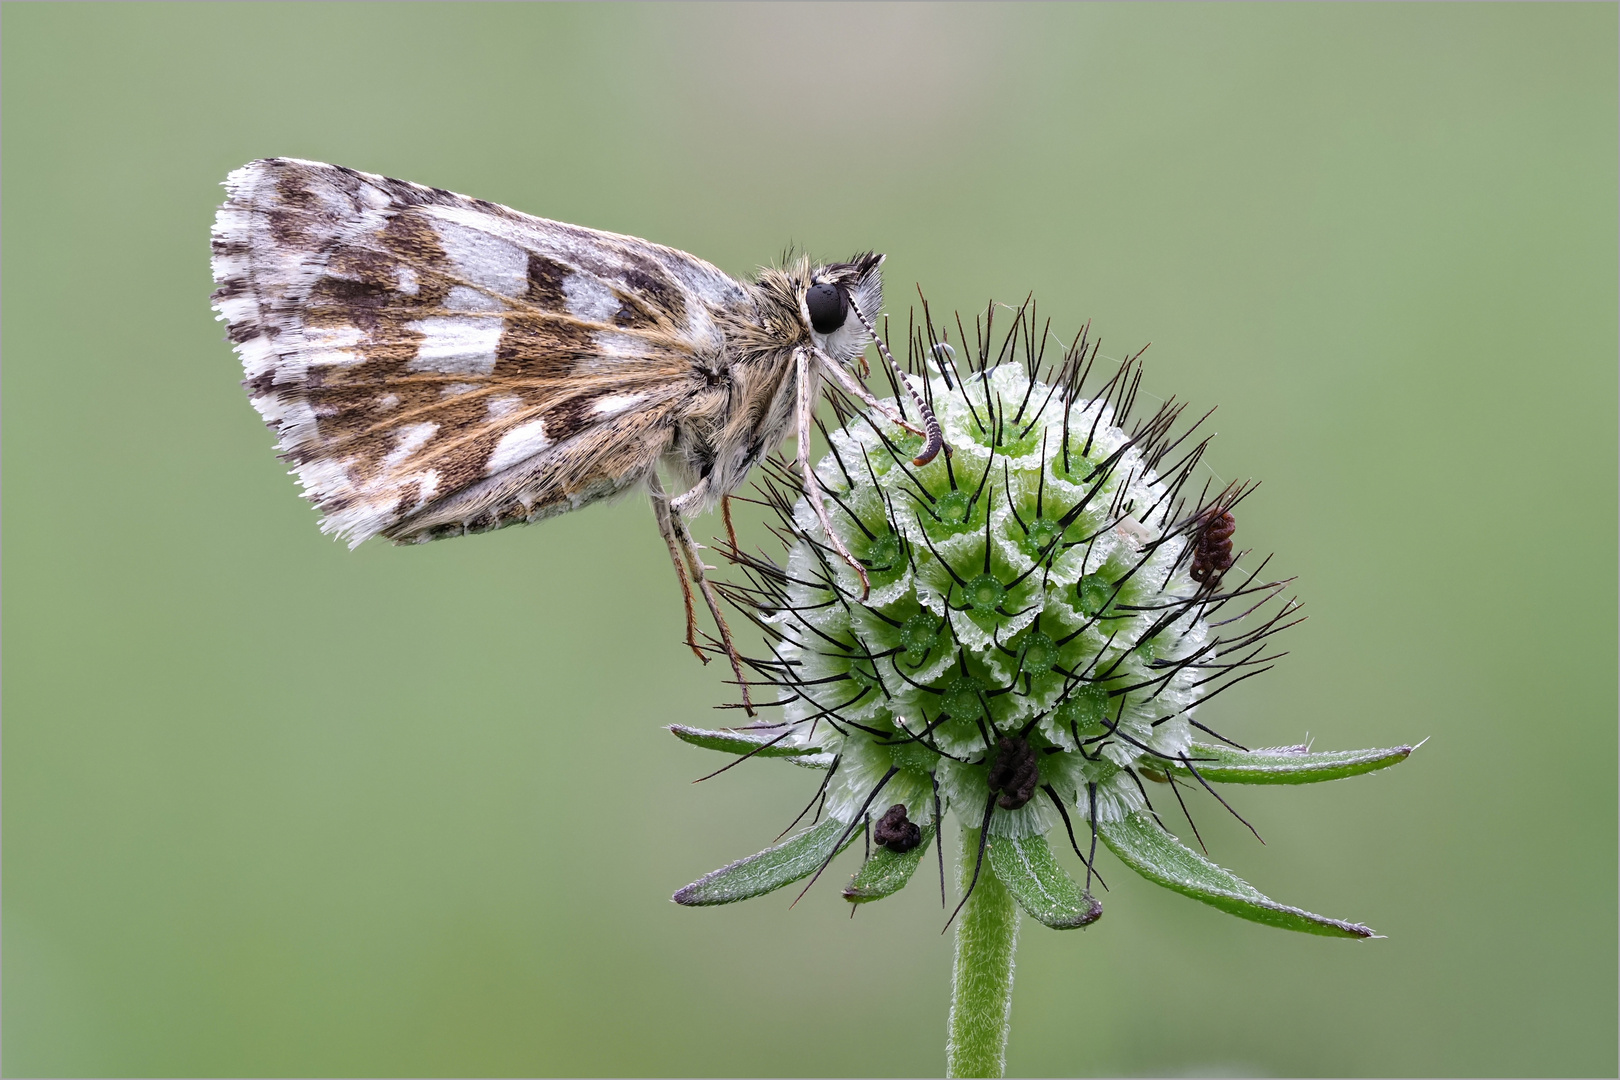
(809, 384)
(855, 388)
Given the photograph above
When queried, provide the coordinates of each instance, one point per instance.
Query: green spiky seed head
(1021, 601)
(1039, 612)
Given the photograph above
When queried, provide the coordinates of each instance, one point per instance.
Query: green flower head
(1044, 608)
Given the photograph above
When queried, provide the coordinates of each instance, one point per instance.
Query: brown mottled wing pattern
(436, 365)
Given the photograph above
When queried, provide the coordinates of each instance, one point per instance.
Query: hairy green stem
(981, 986)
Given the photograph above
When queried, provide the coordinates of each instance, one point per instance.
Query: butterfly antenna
(934, 440)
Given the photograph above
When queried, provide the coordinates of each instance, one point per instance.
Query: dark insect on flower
(1013, 772)
(895, 831)
(1212, 553)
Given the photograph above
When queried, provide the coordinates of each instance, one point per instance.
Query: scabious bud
(1050, 600)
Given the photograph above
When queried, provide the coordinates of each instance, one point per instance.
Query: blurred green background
(271, 807)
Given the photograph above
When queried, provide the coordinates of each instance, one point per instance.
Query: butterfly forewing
(435, 364)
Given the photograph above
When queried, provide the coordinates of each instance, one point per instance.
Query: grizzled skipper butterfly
(436, 365)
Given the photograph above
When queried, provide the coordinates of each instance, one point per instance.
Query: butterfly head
(839, 301)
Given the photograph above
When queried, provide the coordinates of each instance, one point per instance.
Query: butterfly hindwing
(435, 364)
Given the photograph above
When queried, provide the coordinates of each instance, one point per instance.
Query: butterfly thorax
(742, 403)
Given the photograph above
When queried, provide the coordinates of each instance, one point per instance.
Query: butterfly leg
(808, 388)
(725, 513)
(666, 528)
(693, 548)
(853, 385)
(678, 538)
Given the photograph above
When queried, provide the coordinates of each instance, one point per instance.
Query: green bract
(1050, 600)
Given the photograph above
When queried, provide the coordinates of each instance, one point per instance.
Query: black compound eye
(828, 305)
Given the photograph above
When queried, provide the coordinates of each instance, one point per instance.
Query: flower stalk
(982, 976)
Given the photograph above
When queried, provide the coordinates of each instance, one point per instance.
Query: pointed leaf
(886, 872)
(1284, 764)
(752, 743)
(1038, 883)
(1146, 848)
(798, 857)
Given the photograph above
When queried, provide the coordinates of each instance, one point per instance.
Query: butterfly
(436, 365)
